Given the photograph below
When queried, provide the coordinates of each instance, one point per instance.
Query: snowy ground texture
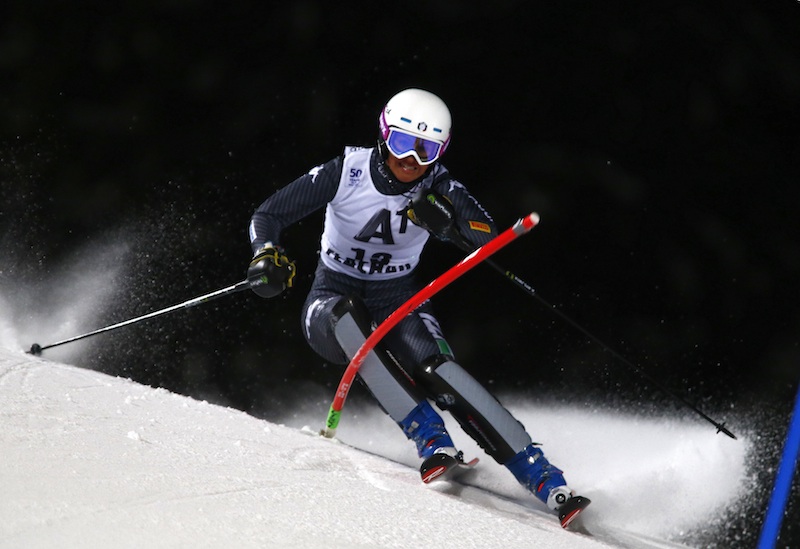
(91, 460)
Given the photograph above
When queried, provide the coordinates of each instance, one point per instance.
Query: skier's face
(405, 169)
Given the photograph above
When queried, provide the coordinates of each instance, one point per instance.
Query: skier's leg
(388, 382)
(493, 427)
(336, 327)
(477, 411)
(419, 336)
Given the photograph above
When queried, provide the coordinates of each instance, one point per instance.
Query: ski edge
(571, 510)
(439, 467)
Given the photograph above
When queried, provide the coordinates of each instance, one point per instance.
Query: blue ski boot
(426, 428)
(543, 479)
(440, 459)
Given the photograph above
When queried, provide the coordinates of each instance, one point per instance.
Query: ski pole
(632, 367)
(521, 227)
(37, 349)
(462, 243)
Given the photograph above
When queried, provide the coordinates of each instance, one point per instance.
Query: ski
(445, 467)
(572, 509)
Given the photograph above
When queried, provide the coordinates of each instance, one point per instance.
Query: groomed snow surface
(90, 460)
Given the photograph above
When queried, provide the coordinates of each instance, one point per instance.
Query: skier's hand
(270, 271)
(433, 212)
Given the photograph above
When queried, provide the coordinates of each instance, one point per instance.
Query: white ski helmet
(416, 123)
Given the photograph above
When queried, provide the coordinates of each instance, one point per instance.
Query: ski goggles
(402, 144)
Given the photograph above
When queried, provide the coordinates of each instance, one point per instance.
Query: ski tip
(433, 473)
(572, 509)
(445, 467)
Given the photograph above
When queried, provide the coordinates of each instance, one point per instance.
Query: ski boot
(547, 483)
(426, 428)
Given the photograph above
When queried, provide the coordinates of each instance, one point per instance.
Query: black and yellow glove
(433, 212)
(270, 271)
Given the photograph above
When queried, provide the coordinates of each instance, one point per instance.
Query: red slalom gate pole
(521, 227)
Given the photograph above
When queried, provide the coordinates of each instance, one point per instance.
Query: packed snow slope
(91, 460)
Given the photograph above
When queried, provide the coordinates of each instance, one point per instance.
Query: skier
(381, 206)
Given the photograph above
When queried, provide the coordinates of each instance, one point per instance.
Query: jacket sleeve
(472, 220)
(300, 198)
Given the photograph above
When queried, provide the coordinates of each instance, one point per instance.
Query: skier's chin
(407, 175)
(405, 171)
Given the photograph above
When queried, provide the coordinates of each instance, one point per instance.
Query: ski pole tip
(35, 350)
(722, 429)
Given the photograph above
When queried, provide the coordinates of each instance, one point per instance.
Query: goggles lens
(403, 144)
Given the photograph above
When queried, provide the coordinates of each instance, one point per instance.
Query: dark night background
(658, 141)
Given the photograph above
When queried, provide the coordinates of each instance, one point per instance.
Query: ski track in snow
(91, 460)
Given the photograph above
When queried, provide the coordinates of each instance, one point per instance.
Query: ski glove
(270, 271)
(433, 212)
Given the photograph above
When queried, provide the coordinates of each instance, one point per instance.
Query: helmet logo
(422, 126)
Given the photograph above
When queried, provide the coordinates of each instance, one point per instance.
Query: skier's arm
(293, 202)
(471, 220)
